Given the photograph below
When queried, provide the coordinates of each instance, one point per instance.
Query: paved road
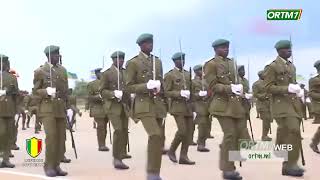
(95, 165)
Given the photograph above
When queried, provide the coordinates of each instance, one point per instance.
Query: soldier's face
(98, 75)
(54, 58)
(261, 76)
(147, 46)
(222, 50)
(121, 61)
(198, 72)
(241, 72)
(285, 53)
(179, 63)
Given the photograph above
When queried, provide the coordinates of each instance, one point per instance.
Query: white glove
(301, 93)
(248, 96)
(237, 89)
(308, 100)
(3, 92)
(26, 111)
(51, 91)
(185, 93)
(294, 88)
(154, 84)
(203, 93)
(194, 114)
(158, 85)
(118, 94)
(69, 114)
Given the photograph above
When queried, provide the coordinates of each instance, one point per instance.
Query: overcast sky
(88, 30)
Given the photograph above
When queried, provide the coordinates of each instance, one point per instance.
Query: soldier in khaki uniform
(263, 106)
(51, 85)
(314, 92)
(73, 107)
(226, 105)
(87, 107)
(280, 82)
(96, 110)
(8, 108)
(26, 99)
(116, 103)
(304, 105)
(32, 104)
(177, 88)
(148, 91)
(201, 105)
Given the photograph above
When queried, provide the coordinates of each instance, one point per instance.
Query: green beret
(283, 44)
(220, 42)
(4, 57)
(117, 54)
(97, 70)
(178, 56)
(260, 73)
(197, 67)
(51, 49)
(144, 37)
(317, 64)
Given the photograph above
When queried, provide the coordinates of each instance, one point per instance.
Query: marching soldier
(87, 108)
(177, 88)
(226, 105)
(96, 110)
(144, 78)
(26, 98)
(280, 82)
(8, 108)
(201, 105)
(32, 105)
(115, 100)
(51, 85)
(314, 92)
(263, 106)
(73, 107)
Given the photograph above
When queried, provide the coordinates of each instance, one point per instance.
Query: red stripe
(39, 145)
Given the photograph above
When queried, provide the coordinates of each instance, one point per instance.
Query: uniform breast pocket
(280, 106)
(143, 76)
(141, 105)
(45, 107)
(6, 107)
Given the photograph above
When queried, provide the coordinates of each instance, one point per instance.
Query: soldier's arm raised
(131, 83)
(168, 90)
(270, 82)
(104, 87)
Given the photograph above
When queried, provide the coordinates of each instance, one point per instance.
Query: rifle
(249, 117)
(72, 139)
(236, 82)
(109, 122)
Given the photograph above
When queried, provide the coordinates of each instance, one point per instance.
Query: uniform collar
(178, 69)
(220, 57)
(283, 60)
(145, 55)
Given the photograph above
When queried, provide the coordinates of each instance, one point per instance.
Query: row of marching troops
(141, 91)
